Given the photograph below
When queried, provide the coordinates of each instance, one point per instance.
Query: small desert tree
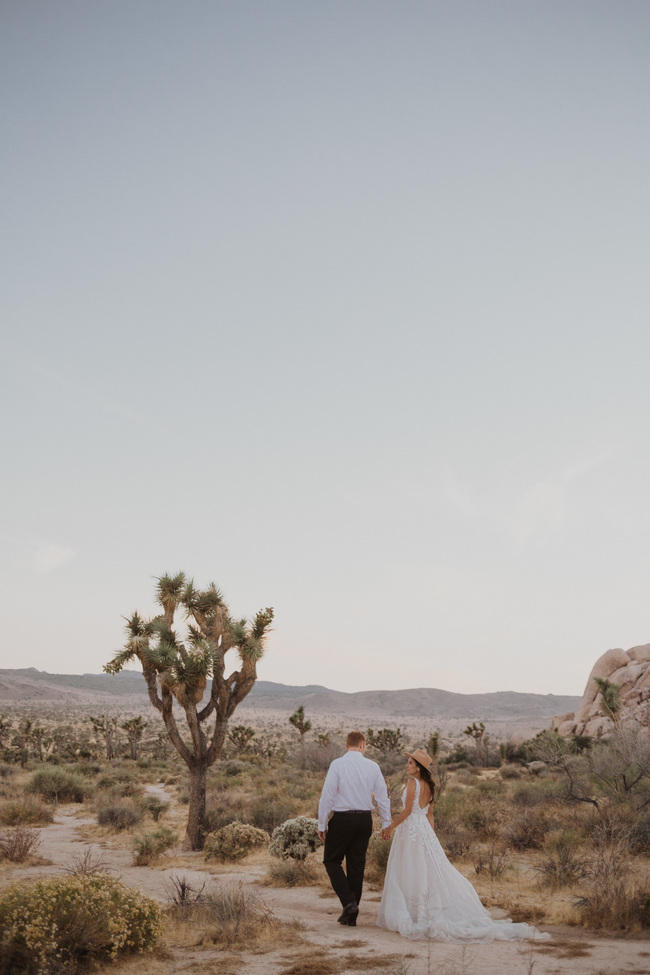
(105, 728)
(610, 699)
(481, 740)
(134, 728)
(178, 672)
(386, 741)
(240, 736)
(301, 725)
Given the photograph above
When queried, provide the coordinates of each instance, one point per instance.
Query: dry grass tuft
(369, 963)
(293, 873)
(564, 948)
(228, 917)
(313, 965)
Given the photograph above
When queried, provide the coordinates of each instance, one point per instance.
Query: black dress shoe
(349, 914)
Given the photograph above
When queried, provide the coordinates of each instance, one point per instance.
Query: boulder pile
(630, 669)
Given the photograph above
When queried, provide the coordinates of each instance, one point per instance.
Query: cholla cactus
(232, 842)
(295, 838)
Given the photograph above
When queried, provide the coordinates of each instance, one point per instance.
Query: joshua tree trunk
(195, 833)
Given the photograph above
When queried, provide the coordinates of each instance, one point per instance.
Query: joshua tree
(610, 699)
(134, 728)
(433, 745)
(106, 728)
(5, 728)
(386, 740)
(481, 740)
(179, 672)
(240, 736)
(297, 719)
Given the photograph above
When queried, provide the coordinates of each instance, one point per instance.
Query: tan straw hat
(419, 755)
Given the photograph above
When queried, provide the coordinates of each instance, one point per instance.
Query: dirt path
(572, 952)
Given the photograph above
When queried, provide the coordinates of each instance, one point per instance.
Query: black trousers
(348, 835)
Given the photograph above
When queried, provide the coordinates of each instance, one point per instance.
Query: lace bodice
(416, 810)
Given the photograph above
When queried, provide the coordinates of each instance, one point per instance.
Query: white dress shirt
(350, 784)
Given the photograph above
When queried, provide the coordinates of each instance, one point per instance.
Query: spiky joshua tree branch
(178, 670)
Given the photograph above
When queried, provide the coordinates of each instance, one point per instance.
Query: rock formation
(630, 669)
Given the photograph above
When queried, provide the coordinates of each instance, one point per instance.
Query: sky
(342, 305)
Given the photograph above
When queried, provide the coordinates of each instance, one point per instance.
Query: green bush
(148, 847)
(270, 813)
(61, 923)
(155, 806)
(234, 841)
(58, 785)
(121, 816)
(296, 838)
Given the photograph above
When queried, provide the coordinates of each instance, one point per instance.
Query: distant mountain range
(30, 685)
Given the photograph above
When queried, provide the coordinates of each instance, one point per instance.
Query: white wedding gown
(424, 896)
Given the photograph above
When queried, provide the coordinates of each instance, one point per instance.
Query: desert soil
(571, 951)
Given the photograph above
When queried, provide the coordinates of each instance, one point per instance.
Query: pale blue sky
(342, 305)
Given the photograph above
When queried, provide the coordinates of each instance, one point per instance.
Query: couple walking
(424, 896)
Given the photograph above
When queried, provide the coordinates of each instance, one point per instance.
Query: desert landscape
(510, 814)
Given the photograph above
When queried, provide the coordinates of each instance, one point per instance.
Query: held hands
(387, 832)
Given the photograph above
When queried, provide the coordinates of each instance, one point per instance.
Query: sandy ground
(570, 952)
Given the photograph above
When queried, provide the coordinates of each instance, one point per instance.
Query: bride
(424, 896)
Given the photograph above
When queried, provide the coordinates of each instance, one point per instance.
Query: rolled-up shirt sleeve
(328, 797)
(382, 800)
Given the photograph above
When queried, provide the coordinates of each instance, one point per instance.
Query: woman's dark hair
(425, 775)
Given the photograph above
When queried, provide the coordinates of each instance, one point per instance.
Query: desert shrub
(296, 838)
(234, 841)
(561, 864)
(527, 830)
(155, 806)
(293, 873)
(181, 892)
(19, 844)
(28, 811)
(484, 816)
(61, 923)
(88, 769)
(528, 795)
(458, 757)
(492, 860)
(270, 813)
(640, 834)
(610, 897)
(119, 783)
(456, 840)
(121, 816)
(220, 815)
(318, 757)
(88, 863)
(228, 916)
(510, 772)
(6, 770)
(149, 847)
(377, 858)
(58, 785)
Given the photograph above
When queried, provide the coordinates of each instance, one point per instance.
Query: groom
(347, 794)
